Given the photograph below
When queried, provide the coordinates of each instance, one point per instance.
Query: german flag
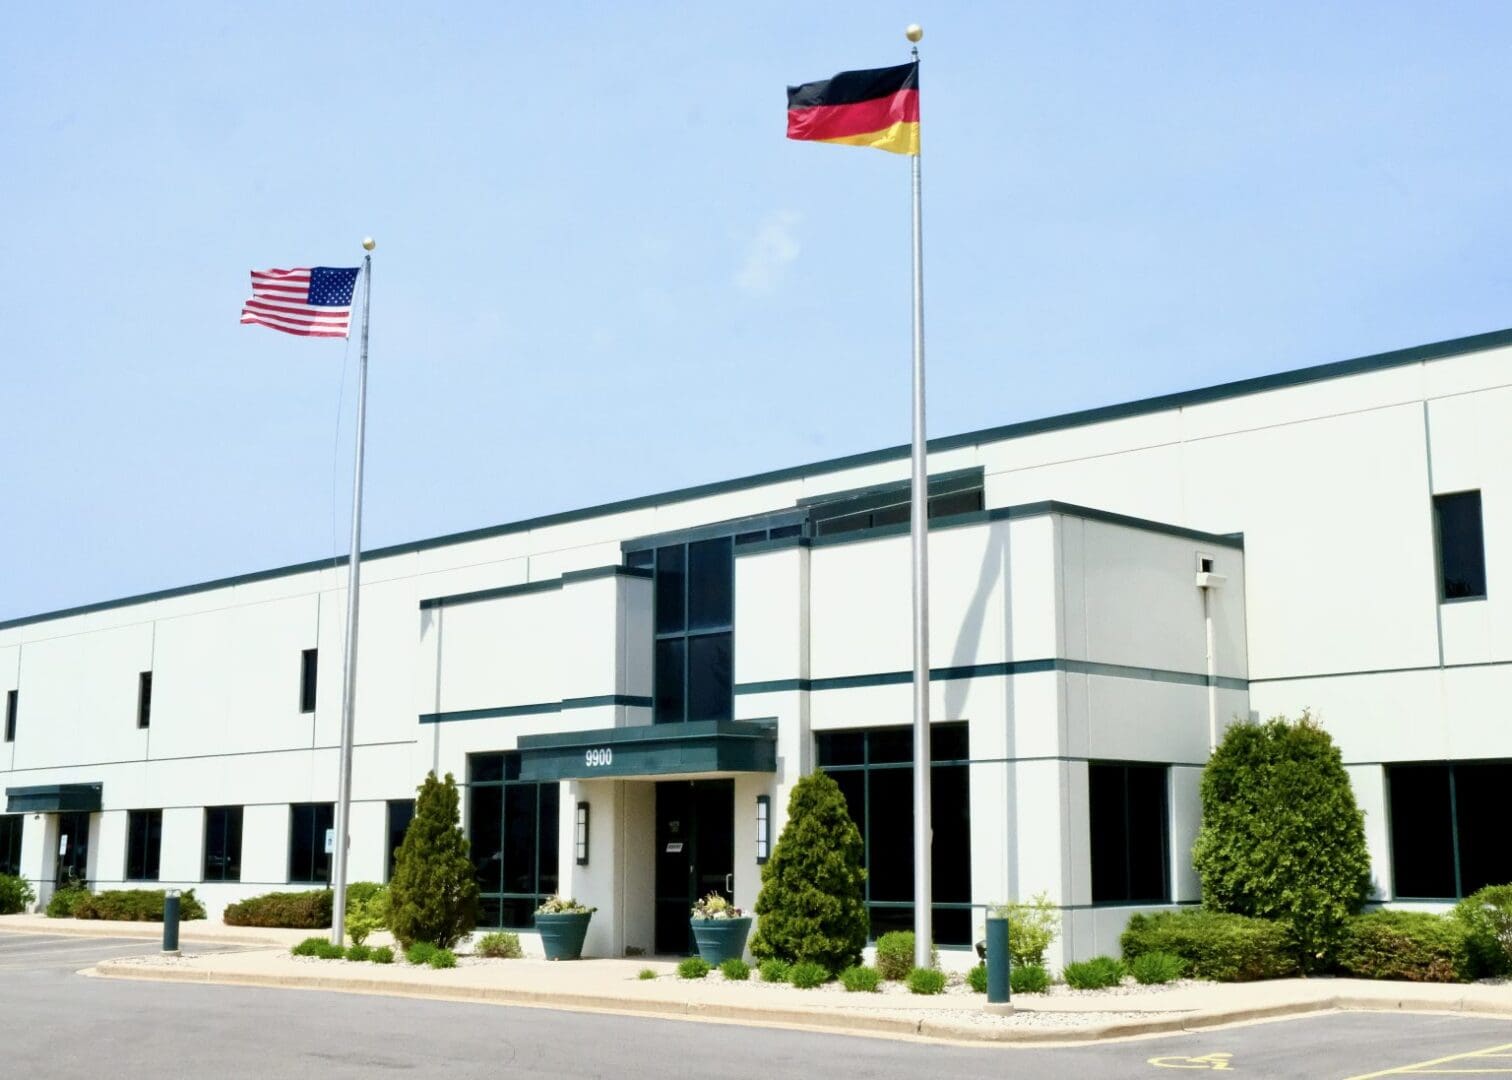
(877, 108)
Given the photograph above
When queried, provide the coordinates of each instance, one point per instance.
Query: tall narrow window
(12, 703)
(1461, 546)
(144, 699)
(1130, 834)
(144, 844)
(310, 826)
(308, 666)
(695, 612)
(1447, 836)
(513, 827)
(400, 813)
(10, 844)
(223, 843)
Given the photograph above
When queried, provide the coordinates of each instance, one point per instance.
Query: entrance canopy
(53, 798)
(692, 748)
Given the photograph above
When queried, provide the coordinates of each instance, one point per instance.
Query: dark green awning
(53, 798)
(699, 746)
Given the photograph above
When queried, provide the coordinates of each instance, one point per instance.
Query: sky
(602, 271)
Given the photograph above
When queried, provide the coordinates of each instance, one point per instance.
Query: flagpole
(354, 589)
(919, 534)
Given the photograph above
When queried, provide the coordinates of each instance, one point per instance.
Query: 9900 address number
(595, 758)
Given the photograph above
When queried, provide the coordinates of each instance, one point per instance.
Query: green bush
(382, 955)
(62, 903)
(861, 980)
(360, 892)
(499, 946)
(135, 905)
(694, 967)
(308, 910)
(434, 893)
(1033, 926)
(811, 903)
(368, 912)
(329, 950)
(1098, 973)
(1410, 945)
(774, 971)
(926, 981)
(895, 955)
(976, 978)
(806, 974)
(646, 974)
(1156, 968)
(1281, 836)
(735, 969)
(1486, 916)
(420, 952)
(16, 894)
(1029, 979)
(308, 947)
(360, 953)
(443, 958)
(1228, 948)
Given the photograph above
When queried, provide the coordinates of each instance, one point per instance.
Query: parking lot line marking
(1427, 1068)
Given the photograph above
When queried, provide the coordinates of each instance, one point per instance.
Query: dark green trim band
(526, 587)
(1384, 671)
(988, 671)
(53, 798)
(1142, 407)
(537, 708)
(700, 746)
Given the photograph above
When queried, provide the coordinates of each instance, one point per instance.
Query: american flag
(312, 301)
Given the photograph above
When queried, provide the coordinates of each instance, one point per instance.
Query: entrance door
(73, 848)
(695, 854)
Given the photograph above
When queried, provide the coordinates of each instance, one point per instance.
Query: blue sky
(602, 271)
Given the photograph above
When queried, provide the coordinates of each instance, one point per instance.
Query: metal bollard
(170, 921)
(997, 961)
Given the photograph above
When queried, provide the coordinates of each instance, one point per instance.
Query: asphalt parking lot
(61, 1025)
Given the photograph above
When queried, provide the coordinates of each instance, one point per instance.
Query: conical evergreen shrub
(812, 903)
(433, 896)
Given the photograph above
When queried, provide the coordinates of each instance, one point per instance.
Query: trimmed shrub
(16, 894)
(811, 903)
(135, 905)
(1156, 968)
(443, 958)
(309, 910)
(774, 971)
(360, 953)
(1029, 979)
(434, 893)
(926, 981)
(1486, 916)
(382, 955)
(360, 892)
(329, 950)
(1033, 926)
(1098, 973)
(420, 952)
(62, 903)
(367, 914)
(694, 967)
(976, 978)
(861, 980)
(806, 974)
(895, 955)
(308, 947)
(499, 946)
(735, 969)
(646, 974)
(1410, 945)
(1281, 836)
(1228, 948)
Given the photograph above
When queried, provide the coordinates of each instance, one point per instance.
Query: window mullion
(1454, 837)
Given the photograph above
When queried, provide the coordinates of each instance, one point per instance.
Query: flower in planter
(557, 905)
(715, 906)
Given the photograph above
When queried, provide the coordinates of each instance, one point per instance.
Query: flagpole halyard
(349, 666)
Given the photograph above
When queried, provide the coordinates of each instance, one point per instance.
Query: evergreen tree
(1282, 837)
(812, 905)
(434, 894)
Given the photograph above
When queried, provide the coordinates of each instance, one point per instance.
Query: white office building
(629, 691)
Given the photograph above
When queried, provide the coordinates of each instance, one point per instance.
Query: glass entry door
(695, 854)
(73, 849)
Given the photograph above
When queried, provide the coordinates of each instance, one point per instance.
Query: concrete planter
(562, 935)
(719, 940)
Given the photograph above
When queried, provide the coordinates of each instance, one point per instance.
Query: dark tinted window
(309, 862)
(400, 813)
(1447, 835)
(671, 679)
(1480, 801)
(694, 665)
(1130, 861)
(144, 844)
(10, 843)
(144, 699)
(308, 667)
(223, 843)
(12, 705)
(1461, 546)
(710, 677)
(671, 588)
(513, 834)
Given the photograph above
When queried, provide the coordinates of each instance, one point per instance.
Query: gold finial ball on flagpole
(914, 32)
(368, 243)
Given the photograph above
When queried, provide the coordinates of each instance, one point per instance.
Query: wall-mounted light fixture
(763, 827)
(582, 834)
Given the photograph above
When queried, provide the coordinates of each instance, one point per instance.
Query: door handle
(730, 884)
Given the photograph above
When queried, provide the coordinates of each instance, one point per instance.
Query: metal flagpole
(354, 588)
(919, 533)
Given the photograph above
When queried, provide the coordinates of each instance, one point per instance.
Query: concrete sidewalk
(614, 986)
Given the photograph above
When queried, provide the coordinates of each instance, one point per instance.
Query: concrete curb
(881, 1026)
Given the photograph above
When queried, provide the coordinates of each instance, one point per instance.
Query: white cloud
(774, 246)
